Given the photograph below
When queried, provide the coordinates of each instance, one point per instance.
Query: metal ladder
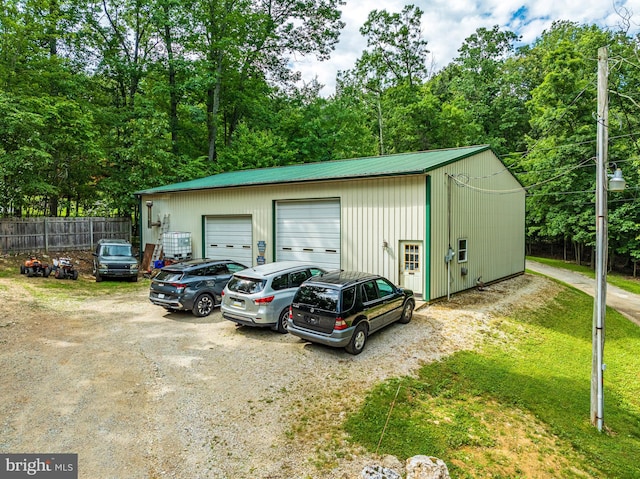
(157, 249)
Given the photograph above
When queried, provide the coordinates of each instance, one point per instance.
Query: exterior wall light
(150, 214)
(149, 206)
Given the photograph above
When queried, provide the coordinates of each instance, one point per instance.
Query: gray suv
(113, 258)
(194, 285)
(260, 296)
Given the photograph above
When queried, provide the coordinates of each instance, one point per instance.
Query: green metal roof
(376, 166)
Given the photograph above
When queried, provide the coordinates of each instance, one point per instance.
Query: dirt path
(141, 393)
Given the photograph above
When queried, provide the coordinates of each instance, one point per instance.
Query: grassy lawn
(627, 283)
(83, 288)
(519, 406)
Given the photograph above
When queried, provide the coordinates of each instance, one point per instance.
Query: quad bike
(63, 269)
(34, 267)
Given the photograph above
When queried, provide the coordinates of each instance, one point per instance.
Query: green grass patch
(628, 283)
(88, 287)
(505, 410)
(52, 289)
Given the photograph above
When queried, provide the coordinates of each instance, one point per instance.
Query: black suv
(343, 308)
(113, 258)
(194, 285)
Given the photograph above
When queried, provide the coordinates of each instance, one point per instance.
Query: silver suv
(260, 296)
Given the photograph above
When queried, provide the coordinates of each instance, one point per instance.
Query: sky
(446, 24)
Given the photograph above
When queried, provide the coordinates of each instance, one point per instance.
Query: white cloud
(446, 24)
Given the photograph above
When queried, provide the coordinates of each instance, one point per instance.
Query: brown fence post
(46, 234)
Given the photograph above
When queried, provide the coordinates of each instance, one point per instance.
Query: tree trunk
(213, 105)
(173, 89)
(380, 126)
(53, 207)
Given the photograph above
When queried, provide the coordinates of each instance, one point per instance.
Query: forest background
(99, 99)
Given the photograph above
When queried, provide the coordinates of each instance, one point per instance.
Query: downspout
(203, 236)
(427, 249)
(449, 256)
(140, 243)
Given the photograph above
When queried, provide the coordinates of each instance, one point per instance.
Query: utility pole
(600, 299)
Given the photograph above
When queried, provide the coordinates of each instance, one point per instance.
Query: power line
(566, 145)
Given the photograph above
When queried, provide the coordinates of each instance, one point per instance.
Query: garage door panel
(319, 257)
(229, 238)
(309, 231)
(316, 243)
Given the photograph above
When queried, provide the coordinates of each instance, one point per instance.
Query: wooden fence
(59, 234)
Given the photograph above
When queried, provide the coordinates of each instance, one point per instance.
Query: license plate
(238, 303)
(161, 295)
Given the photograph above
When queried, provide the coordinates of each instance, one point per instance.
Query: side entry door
(411, 266)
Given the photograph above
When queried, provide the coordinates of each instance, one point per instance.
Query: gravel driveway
(138, 392)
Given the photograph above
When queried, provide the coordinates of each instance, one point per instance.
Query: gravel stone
(141, 393)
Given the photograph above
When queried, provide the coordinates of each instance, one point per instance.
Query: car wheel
(57, 274)
(46, 272)
(74, 275)
(407, 313)
(358, 340)
(98, 277)
(203, 305)
(283, 322)
(29, 272)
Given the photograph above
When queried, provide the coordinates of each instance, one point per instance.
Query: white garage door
(309, 231)
(229, 237)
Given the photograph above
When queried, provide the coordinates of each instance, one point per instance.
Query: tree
(489, 83)
(397, 52)
(49, 139)
(251, 41)
(562, 139)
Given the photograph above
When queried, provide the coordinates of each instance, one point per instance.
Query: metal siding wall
(390, 209)
(491, 221)
(372, 211)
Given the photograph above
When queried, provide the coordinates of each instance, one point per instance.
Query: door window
(411, 257)
(297, 278)
(234, 267)
(384, 288)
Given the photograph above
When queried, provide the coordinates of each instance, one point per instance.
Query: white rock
(378, 472)
(426, 467)
(392, 462)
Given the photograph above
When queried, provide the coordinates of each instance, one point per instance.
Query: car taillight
(179, 286)
(266, 300)
(340, 324)
(222, 294)
(290, 313)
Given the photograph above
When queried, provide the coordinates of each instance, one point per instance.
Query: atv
(34, 267)
(63, 269)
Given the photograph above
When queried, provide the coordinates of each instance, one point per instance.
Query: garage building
(436, 221)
